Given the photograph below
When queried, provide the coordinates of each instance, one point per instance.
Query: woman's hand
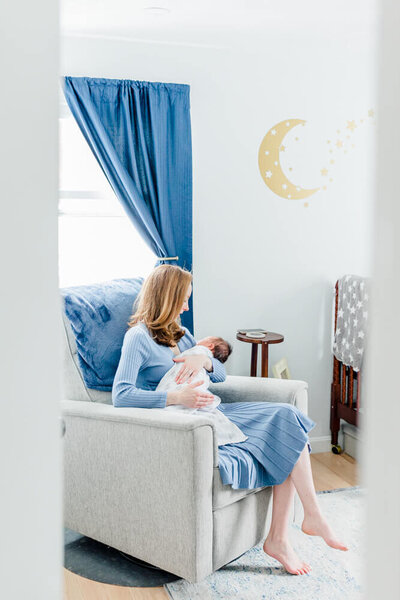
(190, 397)
(192, 365)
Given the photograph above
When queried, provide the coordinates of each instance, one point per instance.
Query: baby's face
(208, 342)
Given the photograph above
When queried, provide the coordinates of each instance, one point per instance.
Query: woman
(277, 449)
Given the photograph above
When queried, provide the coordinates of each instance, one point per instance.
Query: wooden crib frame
(345, 392)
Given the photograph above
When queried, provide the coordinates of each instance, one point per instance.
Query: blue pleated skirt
(277, 433)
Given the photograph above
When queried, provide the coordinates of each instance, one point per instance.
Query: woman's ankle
(313, 513)
(277, 537)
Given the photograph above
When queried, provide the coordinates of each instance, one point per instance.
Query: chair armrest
(157, 418)
(129, 471)
(239, 388)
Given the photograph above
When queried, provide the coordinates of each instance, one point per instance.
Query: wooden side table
(269, 338)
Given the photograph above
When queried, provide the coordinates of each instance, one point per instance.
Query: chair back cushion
(95, 321)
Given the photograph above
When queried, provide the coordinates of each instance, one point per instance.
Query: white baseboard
(320, 443)
(348, 439)
(352, 440)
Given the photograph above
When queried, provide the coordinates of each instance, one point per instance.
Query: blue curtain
(140, 134)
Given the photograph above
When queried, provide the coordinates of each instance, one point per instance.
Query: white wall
(261, 260)
(30, 432)
(381, 465)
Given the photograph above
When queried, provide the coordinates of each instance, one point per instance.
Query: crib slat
(350, 391)
(358, 390)
(343, 385)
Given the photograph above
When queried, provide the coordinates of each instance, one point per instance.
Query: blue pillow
(99, 315)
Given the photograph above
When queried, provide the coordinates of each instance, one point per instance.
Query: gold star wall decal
(324, 172)
(371, 112)
(351, 125)
(339, 144)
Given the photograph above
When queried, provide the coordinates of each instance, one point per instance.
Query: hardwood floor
(330, 471)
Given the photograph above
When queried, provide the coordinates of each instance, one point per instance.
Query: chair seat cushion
(98, 315)
(223, 495)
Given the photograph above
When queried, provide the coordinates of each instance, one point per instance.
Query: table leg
(264, 360)
(253, 367)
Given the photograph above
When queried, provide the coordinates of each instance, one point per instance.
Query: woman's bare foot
(284, 553)
(318, 525)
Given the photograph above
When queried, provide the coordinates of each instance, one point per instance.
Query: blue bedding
(99, 315)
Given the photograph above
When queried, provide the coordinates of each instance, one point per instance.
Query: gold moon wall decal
(270, 166)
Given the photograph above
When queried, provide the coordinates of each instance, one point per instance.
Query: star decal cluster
(344, 141)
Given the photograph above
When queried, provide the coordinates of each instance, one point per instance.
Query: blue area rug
(335, 575)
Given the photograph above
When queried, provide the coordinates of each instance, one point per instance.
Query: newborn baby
(227, 432)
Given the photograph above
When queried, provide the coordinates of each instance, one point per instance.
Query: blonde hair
(160, 301)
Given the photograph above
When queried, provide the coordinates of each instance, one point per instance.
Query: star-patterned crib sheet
(350, 335)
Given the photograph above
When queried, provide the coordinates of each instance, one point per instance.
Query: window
(97, 240)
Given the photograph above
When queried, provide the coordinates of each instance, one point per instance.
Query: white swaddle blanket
(227, 432)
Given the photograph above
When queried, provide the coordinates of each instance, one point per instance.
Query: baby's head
(220, 348)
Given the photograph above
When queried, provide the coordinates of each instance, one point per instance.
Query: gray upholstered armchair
(146, 481)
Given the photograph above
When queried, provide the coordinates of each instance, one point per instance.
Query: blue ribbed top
(142, 365)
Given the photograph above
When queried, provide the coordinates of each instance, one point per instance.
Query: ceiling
(211, 22)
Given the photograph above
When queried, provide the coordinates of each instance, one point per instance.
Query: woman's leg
(314, 522)
(277, 543)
